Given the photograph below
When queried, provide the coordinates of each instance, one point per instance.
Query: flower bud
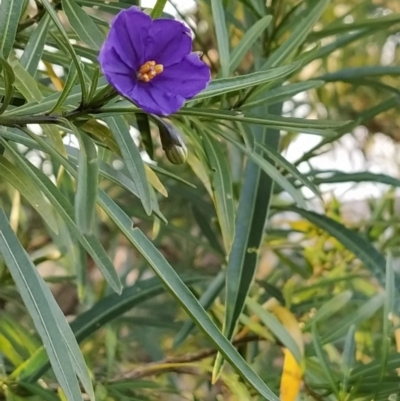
(176, 154)
(172, 143)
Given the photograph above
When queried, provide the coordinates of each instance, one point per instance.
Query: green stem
(158, 9)
(23, 120)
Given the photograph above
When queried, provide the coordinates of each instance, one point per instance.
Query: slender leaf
(289, 167)
(21, 182)
(9, 79)
(324, 362)
(349, 356)
(222, 36)
(206, 300)
(83, 25)
(361, 248)
(68, 85)
(276, 327)
(226, 85)
(269, 168)
(363, 313)
(106, 310)
(317, 127)
(37, 302)
(53, 15)
(24, 82)
(132, 159)
(221, 182)
(298, 36)
(34, 48)
(251, 217)
(183, 295)
(333, 176)
(86, 191)
(349, 74)
(66, 211)
(281, 93)
(10, 13)
(247, 41)
(158, 8)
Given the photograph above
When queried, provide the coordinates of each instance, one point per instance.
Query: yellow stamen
(149, 70)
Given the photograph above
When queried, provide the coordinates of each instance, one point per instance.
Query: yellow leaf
(291, 378)
(288, 320)
(56, 81)
(292, 372)
(154, 181)
(198, 168)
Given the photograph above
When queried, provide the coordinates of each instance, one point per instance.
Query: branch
(167, 364)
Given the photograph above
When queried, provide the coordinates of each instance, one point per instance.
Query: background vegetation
(234, 276)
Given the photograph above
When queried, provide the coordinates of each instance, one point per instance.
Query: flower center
(149, 70)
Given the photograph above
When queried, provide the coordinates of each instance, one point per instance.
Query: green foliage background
(226, 277)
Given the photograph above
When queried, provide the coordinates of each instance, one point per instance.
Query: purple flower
(150, 62)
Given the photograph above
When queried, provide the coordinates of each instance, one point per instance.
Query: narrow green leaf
(352, 241)
(21, 182)
(226, 85)
(158, 9)
(10, 13)
(221, 182)
(68, 336)
(333, 176)
(247, 41)
(34, 48)
(382, 22)
(83, 25)
(48, 102)
(206, 300)
(324, 362)
(348, 74)
(132, 158)
(86, 191)
(39, 391)
(388, 311)
(30, 285)
(348, 357)
(205, 226)
(317, 127)
(269, 168)
(112, 8)
(24, 82)
(183, 295)
(9, 79)
(276, 327)
(93, 84)
(106, 310)
(298, 36)
(289, 167)
(68, 85)
(66, 211)
(221, 32)
(367, 310)
(143, 124)
(372, 368)
(53, 15)
(329, 308)
(281, 93)
(252, 213)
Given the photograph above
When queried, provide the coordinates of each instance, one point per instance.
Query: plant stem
(158, 9)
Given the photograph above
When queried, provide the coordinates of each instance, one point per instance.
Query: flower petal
(186, 78)
(123, 83)
(155, 100)
(111, 61)
(129, 35)
(169, 41)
